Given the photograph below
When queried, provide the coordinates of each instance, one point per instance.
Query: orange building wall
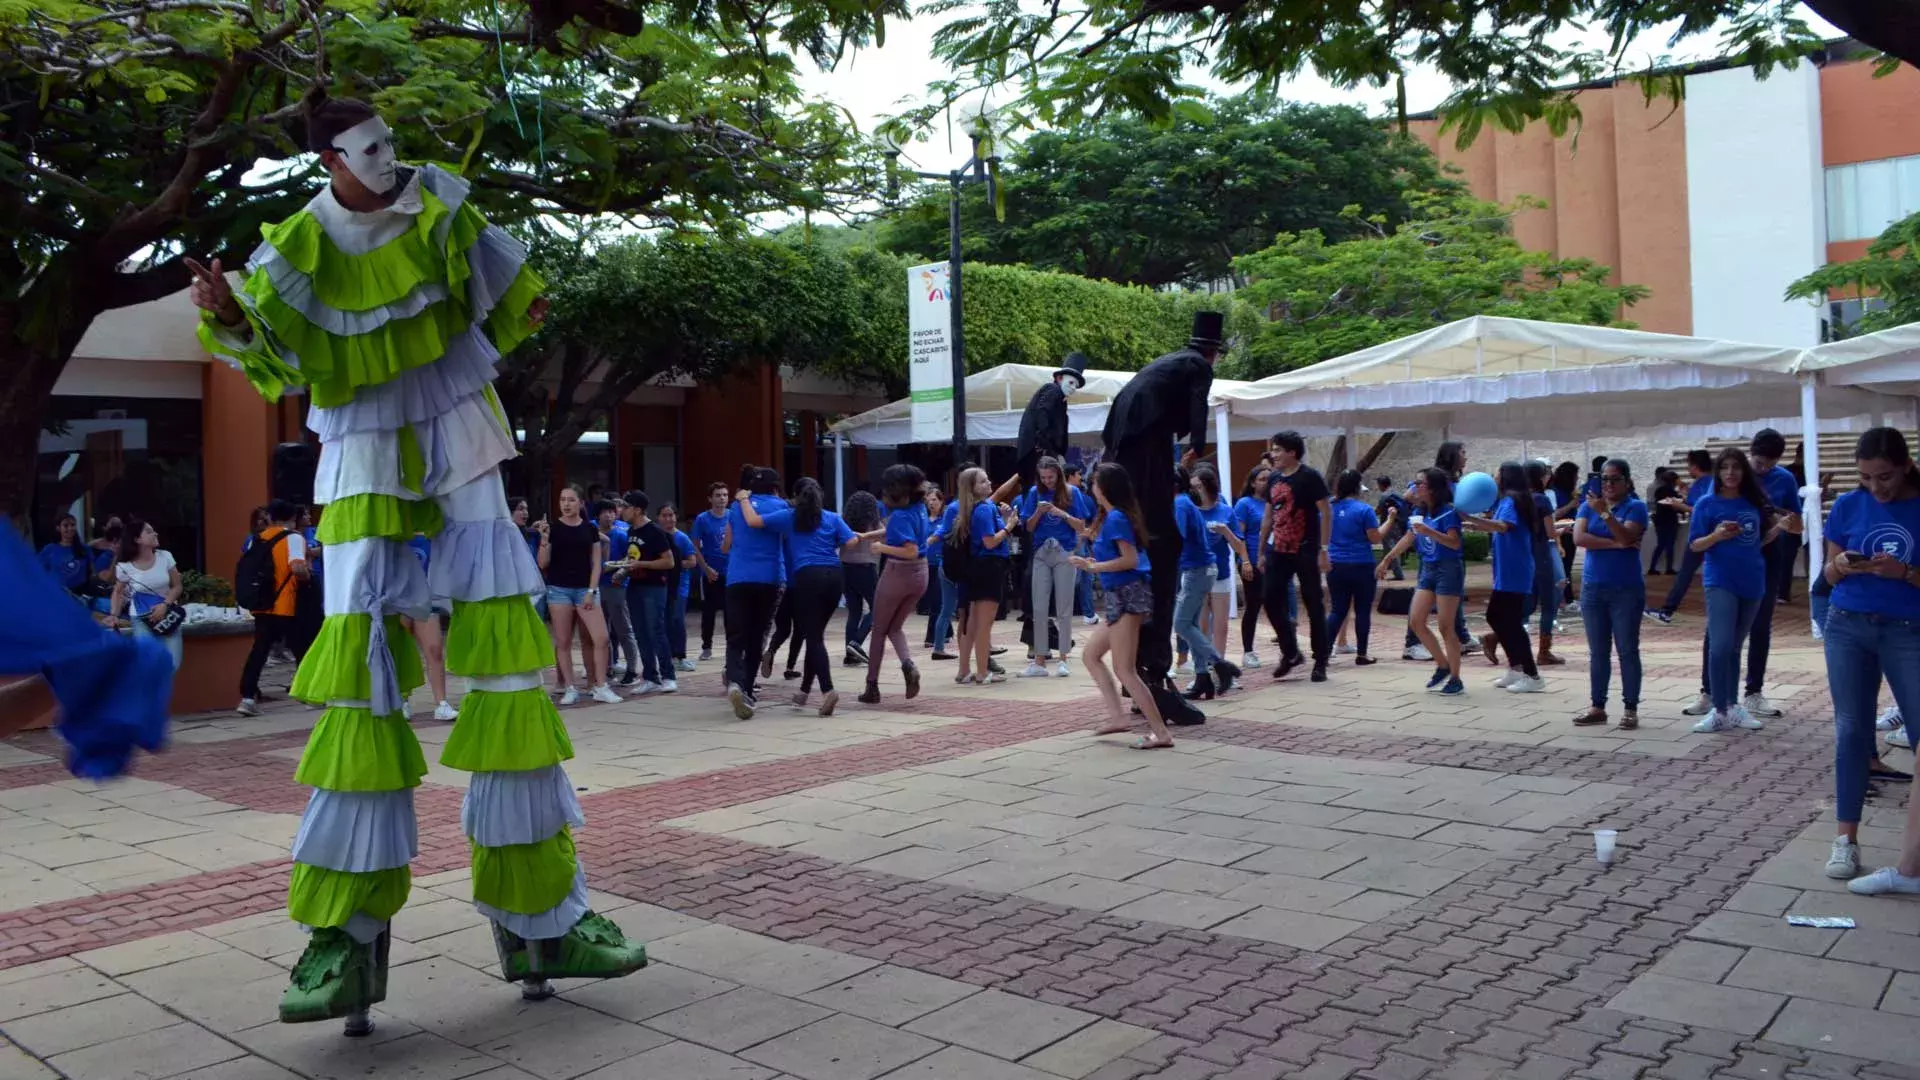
(238, 433)
(1865, 119)
(725, 426)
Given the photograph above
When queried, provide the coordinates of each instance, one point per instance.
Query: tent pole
(839, 469)
(1353, 445)
(1810, 494)
(1224, 455)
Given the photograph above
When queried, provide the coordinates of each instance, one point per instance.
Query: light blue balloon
(1475, 493)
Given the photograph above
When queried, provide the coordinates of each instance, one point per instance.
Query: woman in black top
(570, 557)
(1666, 520)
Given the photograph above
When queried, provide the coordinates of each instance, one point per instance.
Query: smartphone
(1855, 556)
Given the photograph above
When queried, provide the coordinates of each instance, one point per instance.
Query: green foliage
(199, 588)
(1144, 204)
(1476, 546)
(1890, 270)
(1456, 258)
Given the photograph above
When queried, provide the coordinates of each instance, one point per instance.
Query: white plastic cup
(1603, 841)
(1417, 519)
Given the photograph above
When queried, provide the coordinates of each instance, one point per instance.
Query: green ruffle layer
(335, 366)
(385, 275)
(320, 897)
(353, 750)
(358, 517)
(335, 667)
(507, 323)
(265, 371)
(517, 731)
(501, 636)
(525, 879)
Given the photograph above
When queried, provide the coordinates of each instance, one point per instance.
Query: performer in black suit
(1166, 400)
(1043, 427)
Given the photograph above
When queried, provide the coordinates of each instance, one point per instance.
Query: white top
(146, 588)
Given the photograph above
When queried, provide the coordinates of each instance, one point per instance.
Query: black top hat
(1075, 365)
(1209, 329)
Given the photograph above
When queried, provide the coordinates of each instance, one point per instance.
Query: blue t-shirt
(1620, 566)
(422, 549)
(909, 525)
(709, 533)
(1445, 520)
(1512, 550)
(1859, 522)
(1073, 501)
(821, 547)
(1106, 546)
(312, 536)
(617, 535)
(1735, 565)
(67, 565)
(937, 535)
(1701, 487)
(682, 551)
(758, 556)
(1247, 513)
(1347, 542)
(1781, 488)
(1195, 550)
(986, 521)
(1219, 514)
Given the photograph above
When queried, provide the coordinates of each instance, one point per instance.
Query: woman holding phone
(1730, 527)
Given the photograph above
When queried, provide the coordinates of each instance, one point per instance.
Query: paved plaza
(1349, 879)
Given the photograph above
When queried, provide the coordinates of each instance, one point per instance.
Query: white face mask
(1069, 385)
(367, 149)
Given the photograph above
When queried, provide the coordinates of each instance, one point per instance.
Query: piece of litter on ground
(1822, 922)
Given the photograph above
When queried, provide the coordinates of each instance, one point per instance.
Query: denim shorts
(1133, 598)
(1443, 577)
(560, 595)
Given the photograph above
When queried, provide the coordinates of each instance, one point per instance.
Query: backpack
(256, 584)
(955, 561)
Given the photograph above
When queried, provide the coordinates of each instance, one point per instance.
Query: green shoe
(594, 949)
(335, 978)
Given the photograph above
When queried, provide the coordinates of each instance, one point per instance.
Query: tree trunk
(1373, 452)
(38, 334)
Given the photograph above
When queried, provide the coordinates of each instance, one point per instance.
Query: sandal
(1591, 718)
(1148, 742)
(1113, 729)
(1547, 659)
(1630, 720)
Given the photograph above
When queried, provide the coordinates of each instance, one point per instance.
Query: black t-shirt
(1295, 501)
(645, 544)
(1665, 517)
(570, 562)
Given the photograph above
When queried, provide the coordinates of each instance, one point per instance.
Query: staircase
(1836, 454)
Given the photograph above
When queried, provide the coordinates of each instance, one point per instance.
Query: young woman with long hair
(1055, 514)
(814, 538)
(1350, 577)
(570, 557)
(67, 560)
(1435, 528)
(1730, 527)
(1546, 566)
(1613, 592)
(904, 577)
(756, 574)
(1120, 558)
(1226, 548)
(146, 585)
(1565, 486)
(1514, 523)
(1248, 510)
(862, 570)
(983, 528)
(940, 623)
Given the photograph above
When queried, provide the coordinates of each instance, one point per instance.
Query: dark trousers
(1666, 539)
(713, 602)
(647, 610)
(1507, 616)
(1148, 459)
(1689, 566)
(1779, 556)
(1302, 567)
(750, 607)
(1352, 586)
(859, 582)
(267, 629)
(1250, 618)
(783, 629)
(816, 596)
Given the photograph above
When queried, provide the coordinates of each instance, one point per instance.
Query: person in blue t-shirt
(686, 565)
(1699, 486)
(1613, 591)
(1055, 514)
(1350, 578)
(1120, 558)
(983, 529)
(1224, 549)
(903, 532)
(940, 623)
(624, 636)
(756, 573)
(813, 538)
(67, 560)
(1873, 632)
(1197, 575)
(1434, 529)
(1248, 511)
(710, 548)
(1783, 491)
(1730, 528)
(1513, 522)
(1082, 581)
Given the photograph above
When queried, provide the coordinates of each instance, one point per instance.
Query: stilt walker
(390, 298)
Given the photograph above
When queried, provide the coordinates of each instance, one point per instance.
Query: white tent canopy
(1887, 362)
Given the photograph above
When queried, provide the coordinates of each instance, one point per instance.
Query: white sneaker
(1890, 719)
(1345, 650)
(1758, 705)
(1035, 670)
(247, 707)
(1887, 879)
(1844, 862)
(570, 695)
(1185, 667)
(688, 665)
(645, 688)
(1526, 684)
(1416, 651)
(604, 695)
(1060, 669)
(1250, 661)
(1818, 633)
(706, 654)
(1702, 706)
(1709, 724)
(1090, 620)
(1507, 678)
(669, 686)
(742, 704)
(445, 711)
(1898, 737)
(1745, 719)
(616, 669)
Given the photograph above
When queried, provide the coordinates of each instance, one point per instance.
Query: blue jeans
(1689, 566)
(1083, 594)
(1861, 650)
(1729, 621)
(1196, 586)
(943, 613)
(647, 605)
(677, 625)
(1612, 615)
(860, 580)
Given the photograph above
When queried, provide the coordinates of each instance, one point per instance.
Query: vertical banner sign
(930, 352)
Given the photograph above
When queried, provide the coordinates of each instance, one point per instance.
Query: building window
(104, 457)
(1844, 315)
(1864, 198)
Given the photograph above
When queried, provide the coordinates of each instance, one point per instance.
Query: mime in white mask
(1043, 427)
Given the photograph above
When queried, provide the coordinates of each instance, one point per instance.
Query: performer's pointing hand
(211, 293)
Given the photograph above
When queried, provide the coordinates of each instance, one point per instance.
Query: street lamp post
(972, 171)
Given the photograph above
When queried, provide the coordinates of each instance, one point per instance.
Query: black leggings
(1351, 585)
(783, 629)
(815, 597)
(713, 601)
(1250, 618)
(750, 607)
(1507, 616)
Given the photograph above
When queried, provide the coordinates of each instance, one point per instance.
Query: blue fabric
(1052, 528)
(709, 533)
(113, 690)
(1737, 565)
(647, 607)
(1859, 522)
(1512, 551)
(1621, 567)
(677, 623)
(1729, 621)
(1219, 514)
(1106, 546)
(1352, 521)
(985, 522)
(1248, 510)
(937, 535)
(1783, 491)
(682, 551)
(943, 615)
(1861, 650)
(1611, 615)
(821, 547)
(422, 549)
(65, 566)
(1443, 577)
(757, 557)
(1196, 585)
(1701, 487)
(1192, 526)
(564, 596)
(909, 525)
(311, 534)
(1083, 593)
(1446, 520)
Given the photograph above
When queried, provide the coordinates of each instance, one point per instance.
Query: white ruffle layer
(551, 923)
(375, 574)
(481, 554)
(493, 262)
(460, 445)
(506, 808)
(417, 395)
(295, 289)
(358, 831)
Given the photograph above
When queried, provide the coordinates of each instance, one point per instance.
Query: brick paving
(732, 845)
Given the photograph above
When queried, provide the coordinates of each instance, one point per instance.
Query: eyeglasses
(1613, 479)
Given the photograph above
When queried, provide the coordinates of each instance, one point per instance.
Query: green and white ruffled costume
(394, 322)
